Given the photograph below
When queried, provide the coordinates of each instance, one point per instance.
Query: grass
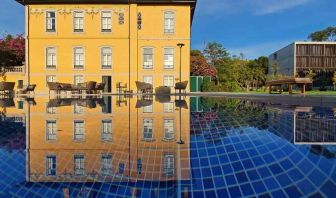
(310, 93)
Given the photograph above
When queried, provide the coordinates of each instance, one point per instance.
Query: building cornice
(192, 3)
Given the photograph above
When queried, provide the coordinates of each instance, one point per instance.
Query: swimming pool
(165, 147)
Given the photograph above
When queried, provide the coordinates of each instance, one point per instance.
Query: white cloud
(255, 7)
(262, 49)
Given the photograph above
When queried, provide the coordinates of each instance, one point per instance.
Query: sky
(252, 27)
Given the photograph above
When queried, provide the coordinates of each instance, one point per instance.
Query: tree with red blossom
(12, 51)
(199, 65)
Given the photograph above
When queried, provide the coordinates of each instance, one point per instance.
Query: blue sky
(252, 27)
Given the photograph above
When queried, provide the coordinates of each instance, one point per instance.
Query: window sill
(148, 140)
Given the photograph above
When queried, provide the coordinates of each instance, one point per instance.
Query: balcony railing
(13, 69)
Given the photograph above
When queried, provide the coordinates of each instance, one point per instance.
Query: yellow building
(96, 140)
(108, 41)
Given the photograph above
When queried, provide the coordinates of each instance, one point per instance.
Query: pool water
(116, 146)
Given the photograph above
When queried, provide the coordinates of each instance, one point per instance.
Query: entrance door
(108, 84)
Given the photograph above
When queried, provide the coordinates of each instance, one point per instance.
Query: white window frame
(74, 58)
(78, 76)
(50, 164)
(106, 166)
(51, 133)
(168, 109)
(51, 110)
(102, 21)
(146, 79)
(166, 81)
(168, 128)
(53, 77)
(146, 65)
(165, 65)
(79, 164)
(170, 30)
(168, 165)
(47, 30)
(76, 135)
(74, 21)
(106, 135)
(146, 127)
(148, 109)
(53, 66)
(109, 56)
(77, 109)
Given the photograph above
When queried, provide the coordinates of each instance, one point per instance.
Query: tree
(328, 34)
(12, 51)
(215, 54)
(200, 67)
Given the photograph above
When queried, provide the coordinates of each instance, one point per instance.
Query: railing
(13, 69)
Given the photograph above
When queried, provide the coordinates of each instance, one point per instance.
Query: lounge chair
(54, 86)
(99, 88)
(27, 89)
(163, 90)
(144, 87)
(7, 87)
(181, 86)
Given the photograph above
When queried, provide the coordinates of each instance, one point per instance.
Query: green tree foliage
(328, 34)
(235, 73)
(215, 54)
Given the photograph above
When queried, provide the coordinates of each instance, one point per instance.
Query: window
(106, 164)
(169, 58)
(50, 78)
(169, 22)
(78, 109)
(148, 79)
(51, 58)
(51, 21)
(78, 58)
(148, 109)
(51, 110)
(168, 81)
(106, 130)
(78, 79)
(168, 165)
(51, 130)
(78, 21)
(106, 57)
(168, 126)
(79, 168)
(20, 84)
(106, 21)
(79, 131)
(51, 165)
(168, 107)
(148, 129)
(139, 166)
(148, 58)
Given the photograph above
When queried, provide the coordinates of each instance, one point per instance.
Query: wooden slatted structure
(303, 82)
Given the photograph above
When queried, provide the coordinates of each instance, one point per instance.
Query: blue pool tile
(306, 187)
(235, 192)
(219, 182)
(253, 175)
(208, 183)
(316, 195)
(259, 187)
(329, 189)
(271, 184)
(295, 175)
(275, 169)
(237, 166)
(217, 170)
(316, 177)
(241, 177)
(283, 179)
(264, 172)
(293, 191)
(210, 194)
(230, 180)
(247, 189)
(222, 193)
(247, 164)
(286, 164)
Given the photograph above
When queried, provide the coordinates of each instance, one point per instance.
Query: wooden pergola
(303, 82)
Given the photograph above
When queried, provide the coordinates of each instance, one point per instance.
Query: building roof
(192, 3)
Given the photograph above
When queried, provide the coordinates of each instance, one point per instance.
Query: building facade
(298, 58)
(110, 41)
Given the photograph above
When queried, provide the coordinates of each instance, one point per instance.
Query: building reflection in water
(93, 140)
